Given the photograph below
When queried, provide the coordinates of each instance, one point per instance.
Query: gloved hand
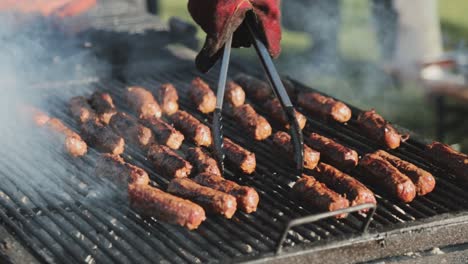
(221, 18)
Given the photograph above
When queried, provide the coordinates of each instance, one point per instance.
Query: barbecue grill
(68, 215)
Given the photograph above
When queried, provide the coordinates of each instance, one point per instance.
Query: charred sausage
(324, 107)
(254, 88)
(132, 131)
(80, 110)
(377, 128)
(282, 141)
(319, 196)
(383, 173)
(120, 172)
(275, 111)
(168, 98)
(102, 137)
(239, 157)
(164, 133)
(235, 95)
(255, 125)
(168, 162)
(210, 199)
(453, 160)
(333, 152)
(202, 161)
(142, 102)
(247, 198)
(192, 128)
(104, 106)
(202, 96)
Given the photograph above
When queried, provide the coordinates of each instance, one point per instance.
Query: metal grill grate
(89, 221)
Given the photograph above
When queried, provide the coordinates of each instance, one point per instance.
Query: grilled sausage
(319, 196)
(142, 102)
(72, 142)
(275, 111)
(152, 202)
(202, 161)
(256, 89)
(282, 141)
(324, 107)
(168, 98)
(356, 192)
(383, 173)
(132, 131)
(239, 157)
(375, 126)
(102, 137)
(80, 110)
(192, 128)
(290, 89)
(210, 199)
(202, 96)
(104, 106)
(423, 180)
(333, 152)
(255, 125)
(453, 160)
(120, 172)
(168, 162)
(247, 198)
(38, 117)
(164, 133)
(235, 95)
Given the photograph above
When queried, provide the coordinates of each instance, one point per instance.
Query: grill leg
(440, 117)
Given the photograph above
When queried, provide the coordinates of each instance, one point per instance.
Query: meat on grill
(168, 98)
(319, 196)
(453, 160)
(423, 180)
(104, 106)
(192, 128)
(275, 111)
(202, 96)
(247, 197)
(333, 152)
(254, 124)
(168, 162)
(72, 142)
(377, 128)
(102, 137)
(210, 199)
(120, 172)
(164, 133)
(356, 192)
(324, 107)
(132, 131)
(142, 102)
(202, 161)
(239, 157)
(255, 89)
(152, 202)
(383, 173)
(235, 95)
(282, 141)
(80, 109)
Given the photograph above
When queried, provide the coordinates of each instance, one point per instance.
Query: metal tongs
(278, 89)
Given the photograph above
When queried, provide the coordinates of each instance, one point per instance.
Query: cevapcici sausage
(453, 160)
(255, 125)
(132, 131)
(120, 172)
(152, 202)
(202, 161)
(239, 157)
(324, 107)
(423, 180)
(333, 152)
(202, 96)
(164, 133)
(342, 183)
(388, 176)
(235, 95)
(102, 137)
(142, 102)
(104, 106)
(319, 196)
(256, 89)
(168, 98)
(210, 199)
(80, 110)
(275, 111)
(247, 198)
(168, 162)
(378, 129)
(192, 128)
(282, 141)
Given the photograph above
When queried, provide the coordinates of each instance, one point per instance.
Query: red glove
(221, 18)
